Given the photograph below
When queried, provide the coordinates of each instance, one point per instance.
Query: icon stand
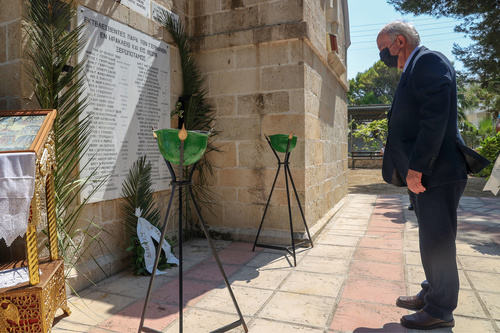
(284, 143)
(174, 151)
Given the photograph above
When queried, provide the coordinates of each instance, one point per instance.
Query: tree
(376, 85)
(481, 23)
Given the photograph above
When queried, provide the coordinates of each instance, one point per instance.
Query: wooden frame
(39, 140)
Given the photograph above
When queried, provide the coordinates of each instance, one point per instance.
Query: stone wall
(268, 71)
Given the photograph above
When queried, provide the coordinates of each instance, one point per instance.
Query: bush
(490, 148)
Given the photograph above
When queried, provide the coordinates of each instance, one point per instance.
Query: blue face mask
(388, 59)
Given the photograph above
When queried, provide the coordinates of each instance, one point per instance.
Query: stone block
(273, 53)
(214, 218)
(115, 10)
(285, 124)
(225, 105)
(227, 156)
(3, 44)
(235, 38)
(319, 154)
(4, 102)
(283, 78)
(11, 10)
(255, 154)
(108, 210)
(175, 85)
(181, 6)
(92, 4)
(237, 178)
(286, 31)
(238, 129)
(233, 82)
(253, 195)
(156, 30)
(276, 102)
(229, 194)
(242, 216)
(10, 85)
(234, 20)
(312, 104)
(248, 57)
(217, 60)
(298, 175)
(279, 12)
(295, 51)
(313, 128)
(201, 8)
(297, 102)
(277, 217)
(137, 21)
(313, 82)
(202, 25)
(260, 195)
(233, 4)
(26, 85)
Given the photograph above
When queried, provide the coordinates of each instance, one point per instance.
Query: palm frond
(51, 46)
(138, 193)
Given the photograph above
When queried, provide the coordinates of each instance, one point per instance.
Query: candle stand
(284, 143)
(185, 148)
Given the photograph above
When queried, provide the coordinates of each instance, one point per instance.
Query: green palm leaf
(52, 47)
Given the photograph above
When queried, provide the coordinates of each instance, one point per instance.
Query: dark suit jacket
(423, 127)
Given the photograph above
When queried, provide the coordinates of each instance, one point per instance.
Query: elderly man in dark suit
(425, 152)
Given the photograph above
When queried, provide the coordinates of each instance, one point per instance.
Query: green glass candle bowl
(280, 142)
(170, 145)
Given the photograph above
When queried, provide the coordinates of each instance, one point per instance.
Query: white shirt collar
(410, 57)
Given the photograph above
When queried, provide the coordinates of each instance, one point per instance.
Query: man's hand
(414, 181)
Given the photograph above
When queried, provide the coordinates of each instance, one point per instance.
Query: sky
(367, 17)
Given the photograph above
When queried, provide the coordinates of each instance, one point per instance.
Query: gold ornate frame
(31, 307)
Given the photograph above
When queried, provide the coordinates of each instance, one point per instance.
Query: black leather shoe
(421, 320)
(410, 207)
(410, 302)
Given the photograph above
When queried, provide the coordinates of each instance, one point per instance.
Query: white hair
(396, 28)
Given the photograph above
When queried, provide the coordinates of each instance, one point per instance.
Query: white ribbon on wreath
(146, 232)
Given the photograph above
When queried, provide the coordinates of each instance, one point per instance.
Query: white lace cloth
(13, 277)
(17, 185)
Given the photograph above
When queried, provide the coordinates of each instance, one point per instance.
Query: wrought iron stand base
(289, 249)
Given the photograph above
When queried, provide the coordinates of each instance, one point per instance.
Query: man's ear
(401, 41)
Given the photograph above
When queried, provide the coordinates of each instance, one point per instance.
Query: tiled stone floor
(366, 257)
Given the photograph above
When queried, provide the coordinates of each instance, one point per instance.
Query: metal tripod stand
(286, 165)
(179, 185)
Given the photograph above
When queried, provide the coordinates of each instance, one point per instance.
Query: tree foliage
(376, 85)
(481, 24)
(373, 134)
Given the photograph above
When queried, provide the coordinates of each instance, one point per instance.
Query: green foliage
(138, 193)
(376, 85)
(490, 148)
(197, 114)
(482, 58)
(373, 134)
(50, 47)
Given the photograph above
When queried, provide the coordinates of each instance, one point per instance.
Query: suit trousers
(436, 211)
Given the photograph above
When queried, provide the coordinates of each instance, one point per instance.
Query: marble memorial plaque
(158, 12)
(128, 87)
(143, 7)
